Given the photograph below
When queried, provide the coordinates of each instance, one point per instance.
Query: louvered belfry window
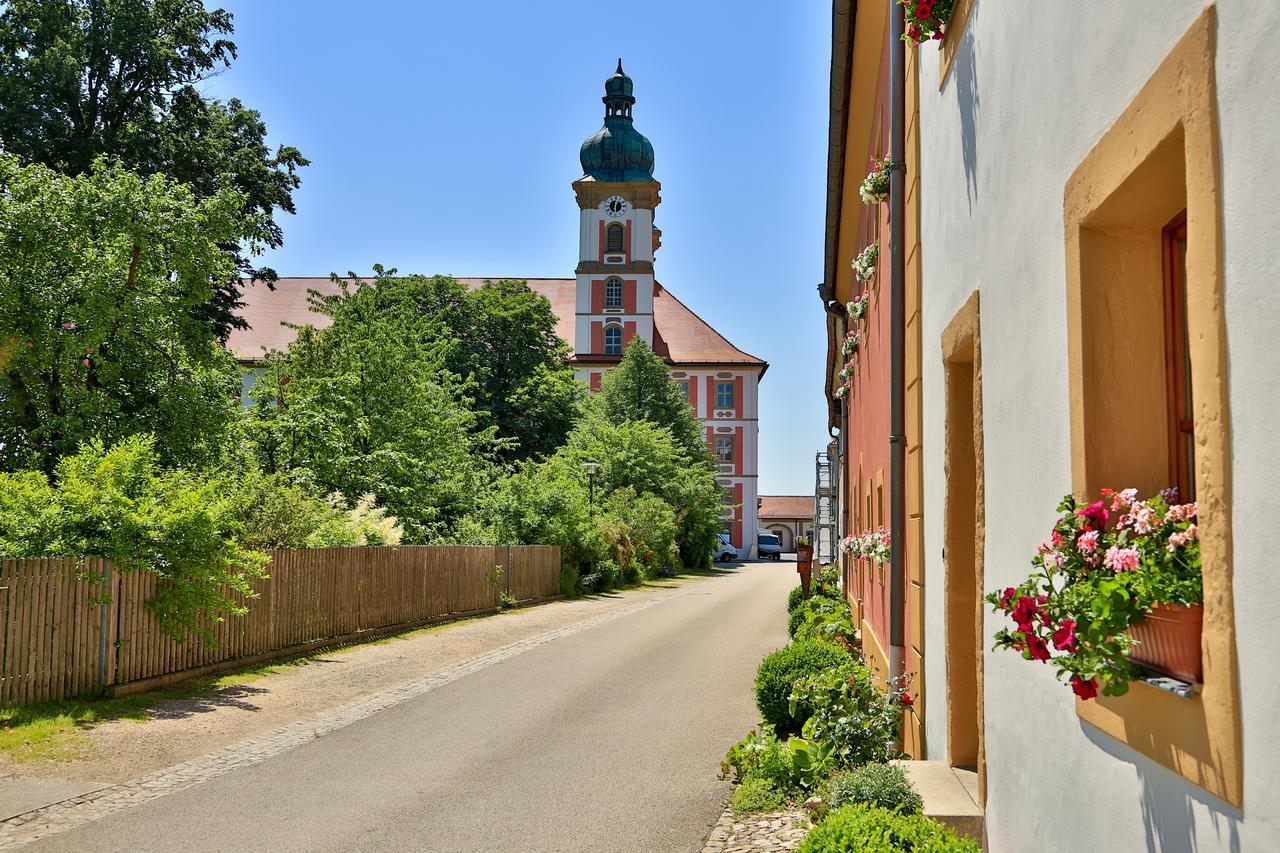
(615, 237)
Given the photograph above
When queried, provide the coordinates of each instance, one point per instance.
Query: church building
(613, 297)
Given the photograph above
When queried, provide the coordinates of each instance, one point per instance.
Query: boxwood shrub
(779, 672)
(866, 829)
(795, 599)
(883, 785)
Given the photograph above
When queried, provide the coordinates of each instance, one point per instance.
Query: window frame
(612, 330)
(1179, 396)
(613, 285)
(728, 440)
(720, 386)
(615, 228)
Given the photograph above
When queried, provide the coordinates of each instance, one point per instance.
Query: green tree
(83, 78)
(369, 406)
(640, 388)
(99, 277)
(504, 344)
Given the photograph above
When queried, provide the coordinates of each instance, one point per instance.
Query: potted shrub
(1109, 595)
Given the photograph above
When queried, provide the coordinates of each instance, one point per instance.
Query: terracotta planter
(1169, 641)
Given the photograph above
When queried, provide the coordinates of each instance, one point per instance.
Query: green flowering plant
(926, 19)
(1092, 582)
(851, 713)
(864, 266)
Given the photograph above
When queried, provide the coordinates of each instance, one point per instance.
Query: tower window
(613, 340)
(615, 237)
(724, 448)
(613, 293)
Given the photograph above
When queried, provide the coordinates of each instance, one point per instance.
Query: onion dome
(617, 151)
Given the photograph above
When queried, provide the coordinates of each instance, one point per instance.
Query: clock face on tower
(615, 207)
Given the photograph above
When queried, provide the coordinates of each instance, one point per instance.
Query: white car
(723, 551)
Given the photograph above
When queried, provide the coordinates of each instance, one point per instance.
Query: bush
(755, 794)
(843, 707)
(778, 674)
(816, 604)
(570, 583)
(760, 755)
(883, 785)
(795, 599)
(866, 829)
(275, 512)
(115, 502)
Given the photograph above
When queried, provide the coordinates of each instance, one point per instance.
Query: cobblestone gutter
(746, 833)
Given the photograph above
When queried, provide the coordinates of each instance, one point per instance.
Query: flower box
(1168, 641)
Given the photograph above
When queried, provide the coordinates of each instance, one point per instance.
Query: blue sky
(444, 136)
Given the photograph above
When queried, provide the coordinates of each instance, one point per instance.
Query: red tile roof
(786, 506)
(679, 334)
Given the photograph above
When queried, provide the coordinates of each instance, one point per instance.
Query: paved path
(601, 736)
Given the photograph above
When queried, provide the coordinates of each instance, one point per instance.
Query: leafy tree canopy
(504, 344)
(640, 388)
(369, 406)
(99, 276)
(83, 78)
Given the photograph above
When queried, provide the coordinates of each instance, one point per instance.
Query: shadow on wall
(1170, 804)
(965, 72)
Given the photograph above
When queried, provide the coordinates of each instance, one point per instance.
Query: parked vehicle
(768, 546)
(723, 551)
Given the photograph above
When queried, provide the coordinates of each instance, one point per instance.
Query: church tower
(617, 195)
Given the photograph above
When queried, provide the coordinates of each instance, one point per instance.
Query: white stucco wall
(1028, 97)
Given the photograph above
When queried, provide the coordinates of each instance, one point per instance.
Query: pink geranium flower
(1121, 559)
(1088, 542)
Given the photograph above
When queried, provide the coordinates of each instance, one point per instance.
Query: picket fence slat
(52, 614)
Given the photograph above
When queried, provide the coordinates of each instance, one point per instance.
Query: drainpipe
(897, 337)
(826, 292)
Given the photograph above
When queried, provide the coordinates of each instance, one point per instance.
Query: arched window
(615, 236)
(613, 340)
(613, 293)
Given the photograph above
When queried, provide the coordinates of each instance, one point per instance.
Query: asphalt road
(608, 739)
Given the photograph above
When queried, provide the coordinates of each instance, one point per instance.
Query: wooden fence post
(104, 622)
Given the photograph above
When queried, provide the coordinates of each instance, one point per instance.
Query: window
(615, 236)
(1127, 273)
(724, 448)
(684, 387)
(1182, 443)
(613, 340)
(724, 395)
(613, 293)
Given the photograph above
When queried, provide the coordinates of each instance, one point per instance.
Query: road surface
(606, 739)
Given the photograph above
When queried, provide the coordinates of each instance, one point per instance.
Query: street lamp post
(591, 467)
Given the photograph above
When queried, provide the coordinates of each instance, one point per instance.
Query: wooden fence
(58, 639)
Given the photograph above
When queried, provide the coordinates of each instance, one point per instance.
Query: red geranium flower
(1037, 648)
(1096, 513)
(907, 700)
(1084, 689)
(1064, 639)
(1007, 597)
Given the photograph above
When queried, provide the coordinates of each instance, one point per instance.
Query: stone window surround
(1162, 153)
